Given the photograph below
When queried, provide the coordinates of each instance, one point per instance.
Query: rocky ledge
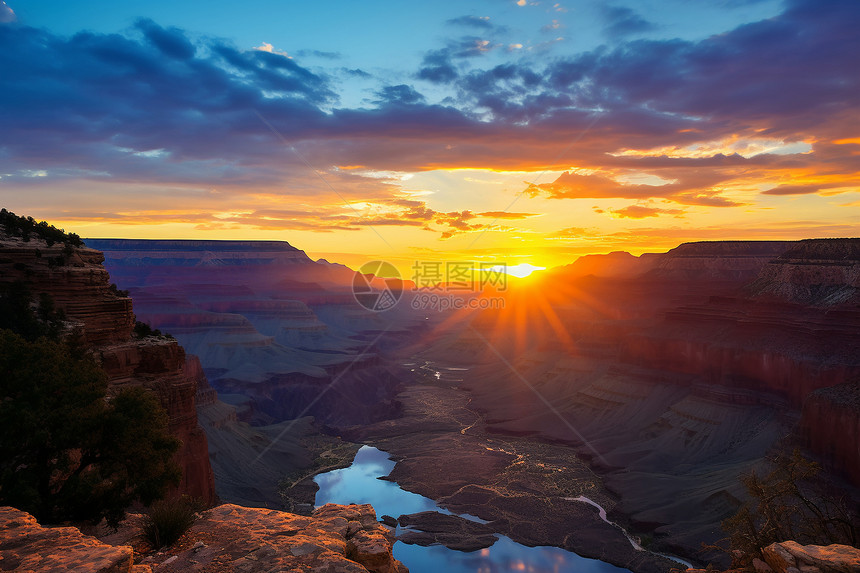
(335, 539)
(27, 546)
(792, 557)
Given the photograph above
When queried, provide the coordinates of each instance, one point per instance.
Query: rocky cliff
(735, 260)
(336, 539)
(830, 425)
(101, 318)
(821, 272)
(673, 383)
(280, 339)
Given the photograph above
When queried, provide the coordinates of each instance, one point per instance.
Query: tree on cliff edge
(792, 502)
(66, 451)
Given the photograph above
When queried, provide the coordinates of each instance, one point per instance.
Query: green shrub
(25, 227)
(169, 519)
(66, 451)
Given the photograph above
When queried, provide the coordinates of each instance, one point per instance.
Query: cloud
(642, 211)
(793, 190)
(506, 215)
(438, 67)
(573, 185)
(169, 41)
(552, 27)
(480, 22)
(826, 188)
(355, 72)
(399, 95)
(621, 21)
(93, 109)
(7, 15)
(689, 189)
(319, 54)
(572, 233)
(269, 48)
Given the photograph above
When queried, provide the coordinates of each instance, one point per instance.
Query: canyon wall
(287, 351)
(676, 382)
(102, 319)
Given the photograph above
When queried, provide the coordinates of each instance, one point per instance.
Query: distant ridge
(187, 245)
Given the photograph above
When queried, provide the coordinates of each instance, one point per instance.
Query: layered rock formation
(732, 260)
(821, 272)
(791, 556)
(101, 318)
(281, 340)
(27, 546)
(335, 538)
(673, 383)
(227, 538)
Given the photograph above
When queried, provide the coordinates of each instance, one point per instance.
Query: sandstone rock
(778, 557)
(102, 320)
(27, 546)
(234, 538)
(388, 520)
(760, 566)
(834, 558)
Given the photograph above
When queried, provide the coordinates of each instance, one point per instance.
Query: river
(359, 483)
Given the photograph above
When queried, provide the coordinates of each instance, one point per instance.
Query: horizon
(523, 133)
(404, 272)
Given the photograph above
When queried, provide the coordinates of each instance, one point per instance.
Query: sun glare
(521, 270)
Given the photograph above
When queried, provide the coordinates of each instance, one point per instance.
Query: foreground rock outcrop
(782, 557)
(792, 557)
(336, 539)
(27, 546)
(101, 319)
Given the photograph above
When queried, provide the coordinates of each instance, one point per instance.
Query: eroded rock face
(822, 272)
(830, 424)
(227, 538)
(27, 546)
(788, 555)
(335, 539)
(738, 260)
(101, 318)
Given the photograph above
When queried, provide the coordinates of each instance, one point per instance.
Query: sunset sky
(494, 130)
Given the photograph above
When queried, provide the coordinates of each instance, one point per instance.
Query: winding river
(359, 483)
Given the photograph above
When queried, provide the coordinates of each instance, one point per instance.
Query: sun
(521, 270)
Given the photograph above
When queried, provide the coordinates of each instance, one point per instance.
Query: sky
(494, 131)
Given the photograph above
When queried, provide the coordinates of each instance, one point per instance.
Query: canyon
(649, 384)
(646, 385)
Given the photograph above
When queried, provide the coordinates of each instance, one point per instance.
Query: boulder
(27, 546)
(787, 555)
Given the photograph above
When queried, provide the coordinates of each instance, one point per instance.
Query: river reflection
(359, 484)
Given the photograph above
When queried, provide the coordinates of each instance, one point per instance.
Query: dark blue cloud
(91, 103)
(621, 21)
(399, 95)
(438, 67)
(786, 74)
(171, 41)
(319, 54)
(481, 23)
